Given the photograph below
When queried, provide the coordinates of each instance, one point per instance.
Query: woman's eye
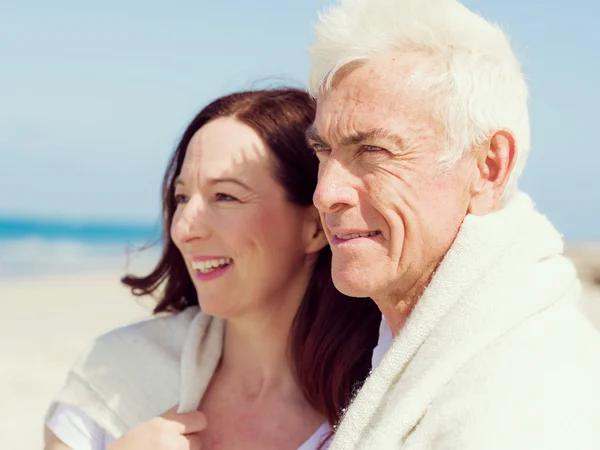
(220, 197)
(181, 198)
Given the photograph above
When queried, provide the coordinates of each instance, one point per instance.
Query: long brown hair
(332, 336)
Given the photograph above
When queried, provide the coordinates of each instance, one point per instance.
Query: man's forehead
(380, 94)
(360, 87)
(389, 72)
(338, 121)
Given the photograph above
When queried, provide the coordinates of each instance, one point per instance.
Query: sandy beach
(47, 322)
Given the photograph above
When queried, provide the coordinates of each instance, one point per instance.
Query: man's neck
(397, 314)
(397, 306)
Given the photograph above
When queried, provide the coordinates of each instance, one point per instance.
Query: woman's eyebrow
(213, 181)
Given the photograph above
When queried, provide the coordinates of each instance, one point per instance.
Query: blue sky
(93, 96)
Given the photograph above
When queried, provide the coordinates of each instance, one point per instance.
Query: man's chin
(351, 286)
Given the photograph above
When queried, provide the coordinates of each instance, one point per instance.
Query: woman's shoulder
(73, 427)
(130, 374)
(138, 343)
(166, 333)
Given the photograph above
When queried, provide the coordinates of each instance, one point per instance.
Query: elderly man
(422, 131)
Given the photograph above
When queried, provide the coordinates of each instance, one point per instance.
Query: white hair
(481, 87)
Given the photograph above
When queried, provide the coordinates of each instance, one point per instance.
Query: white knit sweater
(135, 373)
(496, 354)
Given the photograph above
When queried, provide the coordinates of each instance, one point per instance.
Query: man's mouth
(347, 237)
(210, 265)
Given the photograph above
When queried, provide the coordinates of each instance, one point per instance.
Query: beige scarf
(135, 373)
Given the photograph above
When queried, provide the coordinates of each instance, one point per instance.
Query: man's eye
(320, 148)
(372, 148)
(321, 151)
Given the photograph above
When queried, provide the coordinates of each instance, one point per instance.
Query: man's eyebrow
(359, 137)
(213, 181)
(313, 136)
(374, 134)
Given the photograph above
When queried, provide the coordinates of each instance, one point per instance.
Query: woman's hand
(171, 431)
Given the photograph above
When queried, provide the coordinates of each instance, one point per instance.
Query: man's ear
(314, 236)
(495, 162)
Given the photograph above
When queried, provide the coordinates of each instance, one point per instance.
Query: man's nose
(334, 190)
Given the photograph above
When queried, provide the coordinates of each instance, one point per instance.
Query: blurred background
(94, 97)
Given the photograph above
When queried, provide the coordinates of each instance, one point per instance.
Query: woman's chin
(212, 307)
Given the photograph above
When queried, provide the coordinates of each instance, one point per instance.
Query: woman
(276, 352)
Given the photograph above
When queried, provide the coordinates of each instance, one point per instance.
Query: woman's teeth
(211, 264)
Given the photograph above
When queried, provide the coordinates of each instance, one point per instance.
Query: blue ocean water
(16, 228)
(43, 247)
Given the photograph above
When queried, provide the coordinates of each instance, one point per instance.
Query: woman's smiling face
(244, 243)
